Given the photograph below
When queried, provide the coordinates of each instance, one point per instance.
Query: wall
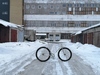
(16, 11)
(4, 10)
(4, 34)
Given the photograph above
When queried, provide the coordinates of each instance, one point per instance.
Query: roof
(61, 1)
(62, 17)
(40, 34)
(79, 32)
(8, 24)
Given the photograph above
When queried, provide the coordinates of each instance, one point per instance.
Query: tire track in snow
(64, 65)
(54, 50)
(62, 68)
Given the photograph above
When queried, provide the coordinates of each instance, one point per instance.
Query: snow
(89, 53)
(5, 23)
(93, 26)
(16, 52)
(13, 54)
(63, 17)
(40, 34)
(59, 69)
(79, 32)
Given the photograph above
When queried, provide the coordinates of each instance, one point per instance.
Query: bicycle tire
(68, 57)
(45, 49)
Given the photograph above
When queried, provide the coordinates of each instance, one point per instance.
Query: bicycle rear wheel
(43, 54)
(64, 54)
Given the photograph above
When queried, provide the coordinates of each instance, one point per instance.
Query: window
(32, 6)
(64, 5)
(55, 12)
(57, 35)
(83, 24)
(4, 13)
(40, 7)
(70, 9)
(51, 35)
(4, 3)
(96, 9)
(80, 9)
(69, 5)
(27, 6)
(51, 12)
(76, 5)
(64, 25)
(51, 7)
(92, 12)
(53, 24)
(82, 5)
(71, 24)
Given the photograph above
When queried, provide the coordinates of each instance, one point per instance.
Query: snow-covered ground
(13, 54)
(89, 53)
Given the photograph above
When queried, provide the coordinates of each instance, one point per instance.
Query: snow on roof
(40, 34)
(61, 1)
(79, 32)
(6, 24)
(63, 17)
(92, 26)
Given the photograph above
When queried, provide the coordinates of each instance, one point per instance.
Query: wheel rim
(43, 54)
(64, 54)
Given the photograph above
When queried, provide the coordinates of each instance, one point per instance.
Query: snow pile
(89, 53)
(14, 54)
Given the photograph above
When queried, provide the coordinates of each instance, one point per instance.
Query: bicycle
(43, 54)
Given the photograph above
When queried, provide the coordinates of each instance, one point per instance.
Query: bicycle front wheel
(64, 54)
(43, 54)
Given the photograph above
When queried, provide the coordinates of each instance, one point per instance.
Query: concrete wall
(16, 11)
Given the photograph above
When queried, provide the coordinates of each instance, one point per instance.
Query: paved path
(76, 66)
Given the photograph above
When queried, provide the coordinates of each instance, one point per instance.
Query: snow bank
(89, 53)
(14, 53)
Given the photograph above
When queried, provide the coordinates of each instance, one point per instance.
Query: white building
(61, 17)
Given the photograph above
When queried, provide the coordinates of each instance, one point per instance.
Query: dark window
(51, 35)
(51, 6)
(64, 5)
(51, 12)
(40, 7)
(4, 3)
(57, 35)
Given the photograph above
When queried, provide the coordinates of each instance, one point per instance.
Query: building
(90, 35)
(60, 16)
(12, 11)
(4, 9)
(16, 11)
(10, 32)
